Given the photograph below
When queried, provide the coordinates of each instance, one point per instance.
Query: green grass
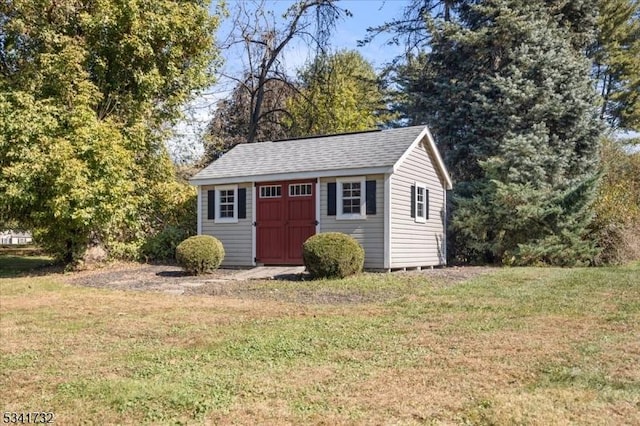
(11, 265)
(521, 345)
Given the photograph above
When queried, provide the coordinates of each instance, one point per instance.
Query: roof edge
(435, 153)
(293, 176)
(329, 135)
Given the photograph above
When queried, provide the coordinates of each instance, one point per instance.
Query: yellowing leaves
(340, 94)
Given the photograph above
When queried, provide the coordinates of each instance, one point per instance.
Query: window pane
(226, 210)
(227, 197)
(421, 202)
(351, 197)
(270, 191)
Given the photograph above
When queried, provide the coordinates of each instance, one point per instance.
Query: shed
(385, 188)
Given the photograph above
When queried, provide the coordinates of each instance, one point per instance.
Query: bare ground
(223, 282)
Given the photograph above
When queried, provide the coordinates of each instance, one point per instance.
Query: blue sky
(348, 31)
(366, 13)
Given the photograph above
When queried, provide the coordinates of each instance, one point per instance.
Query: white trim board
(199, 212)
(387, 221)
(433, 151)
(293, 176)
(254, 231)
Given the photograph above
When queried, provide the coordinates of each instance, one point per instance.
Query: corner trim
(254, 233)
(387, 221)
(318, 206)
(199, 212)
(444, 226)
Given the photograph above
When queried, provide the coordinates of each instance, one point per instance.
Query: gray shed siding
(369, 232)
(235, 237)
(417, 244)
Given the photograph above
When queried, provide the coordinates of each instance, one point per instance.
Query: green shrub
(200, 254)
(332, 254)
(617, 206)
(129, 251)
(154, 223)
(162, 246)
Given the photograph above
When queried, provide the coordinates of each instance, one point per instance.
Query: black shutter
(413, 201)
(331, 199)
(242, 203)
(426, 203)
(211, 204)
(371, 197)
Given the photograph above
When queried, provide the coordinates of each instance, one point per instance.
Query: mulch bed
(171, 279)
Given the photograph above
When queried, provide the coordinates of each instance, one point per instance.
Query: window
(300, 190)
(351, 200)
(421, 203)
(226, 204)
(270, 191)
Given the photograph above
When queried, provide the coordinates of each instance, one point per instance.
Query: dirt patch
(134, 276)
(226, 283)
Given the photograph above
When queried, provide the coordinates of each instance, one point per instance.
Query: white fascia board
(293, 176)
(434, 152)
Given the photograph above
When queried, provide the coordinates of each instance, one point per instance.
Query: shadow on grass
(16, 266)
(293, 277)
(173, 274)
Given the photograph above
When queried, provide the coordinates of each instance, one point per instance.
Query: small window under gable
(420, 198)
(226, 205)
(351, 198)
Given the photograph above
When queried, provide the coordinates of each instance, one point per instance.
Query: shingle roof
(337, 152)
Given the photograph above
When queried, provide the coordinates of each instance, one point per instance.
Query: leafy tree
(263, 43)
(339, 93)
(87, 91)
(617, 208)
(231, 119)
(617, 63)
(508, 95)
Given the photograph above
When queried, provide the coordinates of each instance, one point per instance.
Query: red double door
(285, 218)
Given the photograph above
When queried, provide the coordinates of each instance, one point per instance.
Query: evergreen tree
(617, 63)
(509, 98)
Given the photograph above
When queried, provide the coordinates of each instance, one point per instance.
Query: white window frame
(272, 187)
(293, 185)
(219, 190)
(423, 218)
(363, 198)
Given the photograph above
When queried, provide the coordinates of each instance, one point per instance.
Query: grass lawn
(522, 345)
(10, 264)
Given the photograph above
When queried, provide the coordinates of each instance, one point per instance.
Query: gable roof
(336, 155)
